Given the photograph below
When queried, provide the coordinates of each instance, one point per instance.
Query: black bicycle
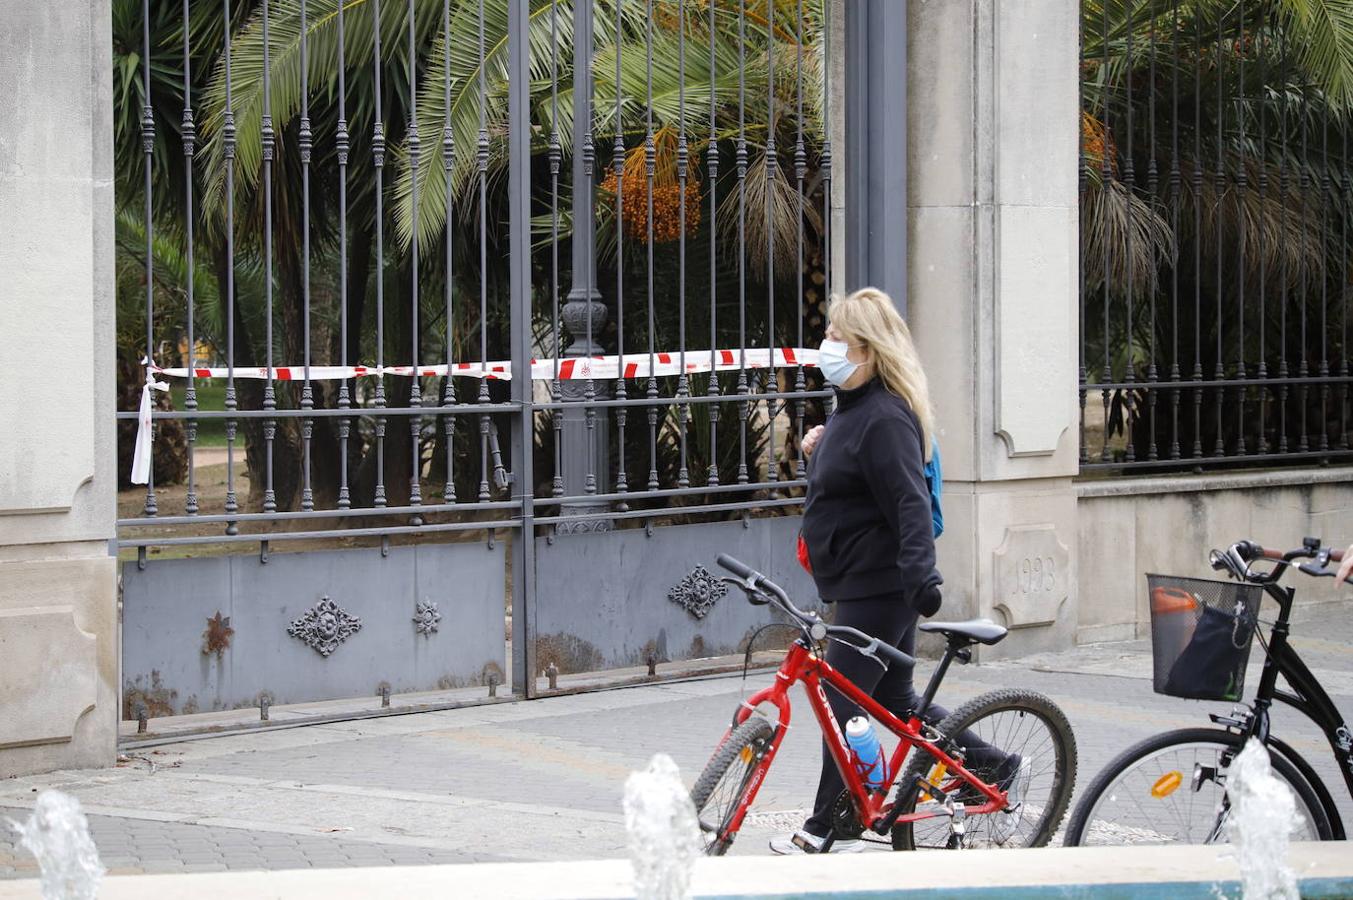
(1171, 788)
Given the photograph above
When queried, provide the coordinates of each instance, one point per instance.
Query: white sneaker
(800, 842)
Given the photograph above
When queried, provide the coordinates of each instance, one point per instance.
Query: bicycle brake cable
(751, 643)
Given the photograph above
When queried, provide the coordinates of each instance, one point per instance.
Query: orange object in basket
(1172, 600)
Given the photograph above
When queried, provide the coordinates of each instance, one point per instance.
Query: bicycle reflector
(1166, 785)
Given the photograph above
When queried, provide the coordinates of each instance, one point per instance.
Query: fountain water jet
(664, 834)
(1260, 824)
(57, 834)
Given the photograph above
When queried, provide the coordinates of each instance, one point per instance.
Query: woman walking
(867, 521)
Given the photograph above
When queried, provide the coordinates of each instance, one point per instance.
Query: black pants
(889, 619)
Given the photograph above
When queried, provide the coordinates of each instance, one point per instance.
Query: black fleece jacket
(867, 517)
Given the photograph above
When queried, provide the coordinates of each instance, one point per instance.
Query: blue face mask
(832, 360)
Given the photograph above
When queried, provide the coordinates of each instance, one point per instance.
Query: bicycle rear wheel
(1014, 722)
(727, 777)
(1170, 788)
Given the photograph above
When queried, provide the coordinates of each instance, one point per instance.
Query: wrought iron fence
(1214, 237)
(328, 204)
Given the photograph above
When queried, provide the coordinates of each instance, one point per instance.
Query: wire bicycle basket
(1201, 632)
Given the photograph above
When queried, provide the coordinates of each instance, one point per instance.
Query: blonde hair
(868, 318)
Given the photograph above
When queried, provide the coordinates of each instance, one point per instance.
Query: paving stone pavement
(543, 780)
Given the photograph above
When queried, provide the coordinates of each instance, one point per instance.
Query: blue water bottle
(870, 760)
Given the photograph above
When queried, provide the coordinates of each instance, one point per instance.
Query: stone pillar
(58, 580)
(992, 221)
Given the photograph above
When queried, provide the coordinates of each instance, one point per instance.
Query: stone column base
(58, 663)
(1008, 553)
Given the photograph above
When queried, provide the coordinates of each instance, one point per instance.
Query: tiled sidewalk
(543, 780)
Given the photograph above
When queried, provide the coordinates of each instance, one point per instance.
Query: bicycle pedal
(808, 847)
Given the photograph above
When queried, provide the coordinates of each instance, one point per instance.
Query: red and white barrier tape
(569, 369)
(598, 367)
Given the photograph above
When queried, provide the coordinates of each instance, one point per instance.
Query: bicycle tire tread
(988, 704)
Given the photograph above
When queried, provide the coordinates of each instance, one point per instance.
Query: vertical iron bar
(772, 169)
(1106, 180)
(1219, 370)
(583, 49)
(826, 161)
(342, 138)
(1261, 52)
(1083, 182)
(1343, 209)
(482, 165)
(189, 148)
(228, 145)
(1176, 196)
(448, 161)
(712, 155)
(415, 390)
(683, 160)
(1242, 186)
(1151, 188)
(1283, 392)
(618, 160)
(1304, 370)
(650, 166)
(1324, 274)
(742, 241)
(269, 392)
(1198, 239)
(148, 148)
(378, 158)
(519, 258)
(1130, 180)
(800, 172)
(556, 162)
(306, 144)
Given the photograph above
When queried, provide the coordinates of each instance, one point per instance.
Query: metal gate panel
(620, 598)
(220, 633)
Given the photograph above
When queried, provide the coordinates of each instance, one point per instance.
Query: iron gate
(477, 399)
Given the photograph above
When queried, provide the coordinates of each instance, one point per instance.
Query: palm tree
(1195, 182)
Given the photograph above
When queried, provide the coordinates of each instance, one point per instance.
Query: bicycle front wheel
(719, 791)
(1171, 789)
(1016, 740)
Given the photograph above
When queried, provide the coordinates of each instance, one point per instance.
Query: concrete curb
(1325, 871)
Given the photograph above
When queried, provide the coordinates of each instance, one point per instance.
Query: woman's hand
(1346, 567)
(811, 438)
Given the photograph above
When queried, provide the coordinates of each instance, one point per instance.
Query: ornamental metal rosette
(324, 626)
(698, 592)
(426, 618)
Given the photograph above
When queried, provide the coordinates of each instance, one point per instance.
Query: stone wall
(1166, 526)
(58, 582)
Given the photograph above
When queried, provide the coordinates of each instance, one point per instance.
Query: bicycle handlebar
(737, 567)
(753, 581)
(1239, 555)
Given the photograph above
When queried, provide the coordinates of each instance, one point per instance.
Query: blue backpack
(934, 477)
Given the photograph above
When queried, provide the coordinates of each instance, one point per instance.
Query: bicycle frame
(1307, 697)
(801, 664)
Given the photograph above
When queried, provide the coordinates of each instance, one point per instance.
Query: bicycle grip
(737, 567)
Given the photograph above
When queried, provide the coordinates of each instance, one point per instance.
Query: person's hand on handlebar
(1346, 567)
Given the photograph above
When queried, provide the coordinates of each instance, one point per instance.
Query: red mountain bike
(953, 792)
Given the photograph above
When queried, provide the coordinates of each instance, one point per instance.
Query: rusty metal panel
(618, 598)
(222, 632)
